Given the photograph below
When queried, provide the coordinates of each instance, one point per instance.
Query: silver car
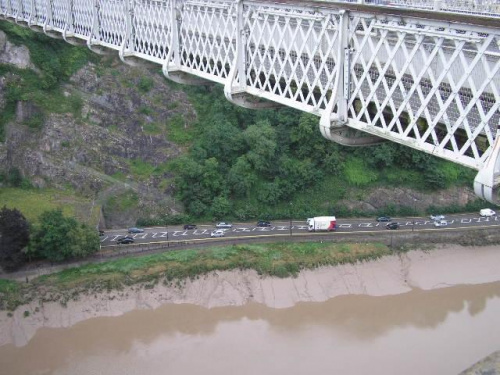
(440, 223)
(437, 217)
(223, 224)
(217, 233)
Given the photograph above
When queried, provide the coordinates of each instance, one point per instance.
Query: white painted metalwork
(429, 80)
(489, 8)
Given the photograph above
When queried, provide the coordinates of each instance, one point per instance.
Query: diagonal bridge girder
(428, 80)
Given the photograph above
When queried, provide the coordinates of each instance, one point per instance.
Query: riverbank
(394, 274)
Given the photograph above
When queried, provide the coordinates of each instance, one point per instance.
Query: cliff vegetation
(144, 150)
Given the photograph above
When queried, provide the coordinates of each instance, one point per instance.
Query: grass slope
(33, 202)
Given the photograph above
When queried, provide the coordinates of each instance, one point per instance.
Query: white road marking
(364, 225)
(141, 235)
(104, 239)
(481, 219)
(182, 233)
(240, 230)
(116, 236)
(164, 234)
(466, 221)
(345, 225)
(203, 231)
(282, 228)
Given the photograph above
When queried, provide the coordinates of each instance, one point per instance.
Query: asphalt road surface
(283, 228)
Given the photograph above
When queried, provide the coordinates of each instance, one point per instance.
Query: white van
(487, 212)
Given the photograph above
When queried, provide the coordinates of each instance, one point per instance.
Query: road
(280, 227)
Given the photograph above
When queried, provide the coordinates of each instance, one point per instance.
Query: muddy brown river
(441, 331)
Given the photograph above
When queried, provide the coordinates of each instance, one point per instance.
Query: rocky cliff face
(92, 149)
(120, 119)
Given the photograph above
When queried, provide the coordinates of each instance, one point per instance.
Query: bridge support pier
(347, 136)
(249, 101)
(487, 181)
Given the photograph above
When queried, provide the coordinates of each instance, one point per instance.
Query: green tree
(241, 177)
(199, 183)
(14, 237)
(261, 140)
(220, 208)
(57, 237)
(222, 140)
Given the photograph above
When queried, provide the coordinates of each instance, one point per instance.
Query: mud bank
(396, 274)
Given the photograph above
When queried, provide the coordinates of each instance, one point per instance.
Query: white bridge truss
(426, 79)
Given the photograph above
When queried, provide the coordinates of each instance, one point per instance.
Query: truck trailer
(321, 223)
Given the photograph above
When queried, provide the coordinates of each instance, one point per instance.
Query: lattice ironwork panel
(207, 37)
(60, 9)
(292, 53)
(152, 35)
(26, 10)
(15, 8)
(490, 8)
(82, 17)
(4, 7)
(112, 25)
(40, 13)
(429, 85)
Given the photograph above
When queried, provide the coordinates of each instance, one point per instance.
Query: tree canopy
(57, 237)
(244, 162)
(14, 237)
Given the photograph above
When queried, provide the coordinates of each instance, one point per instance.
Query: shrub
(357, 173)
(58, 238)
(145, 84)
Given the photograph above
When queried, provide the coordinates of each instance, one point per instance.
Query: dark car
(383, 219)
(125, 240)
(392, 226)
(263, 224)
(189, 226)
(135, 230)
(101, 232)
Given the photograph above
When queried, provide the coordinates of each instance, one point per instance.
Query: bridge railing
(489, 8)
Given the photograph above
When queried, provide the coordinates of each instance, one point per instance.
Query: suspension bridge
(423, 73)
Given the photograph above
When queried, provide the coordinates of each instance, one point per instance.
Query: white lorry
(322, 223)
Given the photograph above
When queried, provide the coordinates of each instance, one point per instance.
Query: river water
(439, 331)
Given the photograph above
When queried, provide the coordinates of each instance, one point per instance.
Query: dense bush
(14, 237)
(57, 238)
(246, 164)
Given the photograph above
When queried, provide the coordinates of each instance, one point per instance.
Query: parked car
(437, 217)
(217, 233)
(125, 240)
(440, 223)
(263, 223)
(135, 230)
(383, 219)
(487, 212)
(223, 224)
(189, 226)
(101, 232)
(392, 226)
